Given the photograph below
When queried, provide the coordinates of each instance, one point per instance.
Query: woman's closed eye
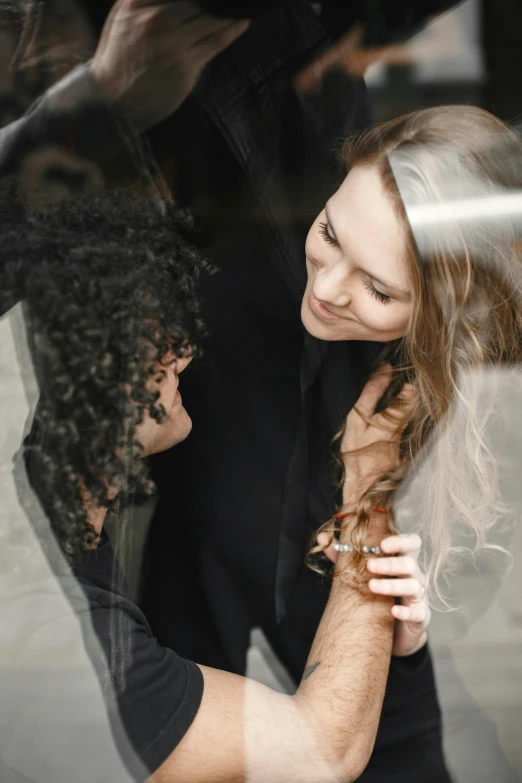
(384, 298)
(323, 230)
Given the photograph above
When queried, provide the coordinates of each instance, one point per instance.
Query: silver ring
(342, 547)
(366, 550)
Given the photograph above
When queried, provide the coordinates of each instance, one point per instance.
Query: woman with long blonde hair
(418, 249)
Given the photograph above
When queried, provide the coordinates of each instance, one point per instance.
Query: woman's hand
(396, 572)
(371, 441)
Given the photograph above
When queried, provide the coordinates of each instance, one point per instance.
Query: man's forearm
(323, 734)
(344, 682)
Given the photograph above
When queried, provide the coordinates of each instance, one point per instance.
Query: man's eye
(323, 230)
(160, 376)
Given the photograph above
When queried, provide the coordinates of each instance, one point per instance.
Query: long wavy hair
(465, 324)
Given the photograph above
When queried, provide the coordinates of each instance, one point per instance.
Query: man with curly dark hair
(110, 290)
(109, 287)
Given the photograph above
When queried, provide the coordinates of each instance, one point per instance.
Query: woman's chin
(329, 332)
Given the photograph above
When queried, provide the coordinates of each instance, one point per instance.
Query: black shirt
(151, 693)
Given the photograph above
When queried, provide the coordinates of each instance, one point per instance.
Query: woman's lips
(320, 310)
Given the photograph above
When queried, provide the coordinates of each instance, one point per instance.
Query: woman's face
(358, 282)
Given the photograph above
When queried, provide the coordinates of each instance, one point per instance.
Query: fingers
(408, 545)
(397, 576)
(393, 566)
(405, 544)
(408, 392)
(402, 561)
(200, 28)
(373, 391)
(400, 588)
(399, 412)
(414, 613)
(331, 554)
(407, 399)
(197, 30)
(218, 41)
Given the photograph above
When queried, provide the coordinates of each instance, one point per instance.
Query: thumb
(373, 390)
(331, 554)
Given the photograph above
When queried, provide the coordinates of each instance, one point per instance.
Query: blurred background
(472, 54)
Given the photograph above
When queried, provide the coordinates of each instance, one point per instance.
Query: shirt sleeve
(152, 694)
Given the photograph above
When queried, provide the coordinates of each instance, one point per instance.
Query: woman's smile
(320, 310)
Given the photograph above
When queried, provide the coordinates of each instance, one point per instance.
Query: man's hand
(370, 444)
(397, 573)
(151, 53)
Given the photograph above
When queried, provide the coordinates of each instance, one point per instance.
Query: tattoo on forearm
(310, 670)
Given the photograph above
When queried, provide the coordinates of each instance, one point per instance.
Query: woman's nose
(331, 285)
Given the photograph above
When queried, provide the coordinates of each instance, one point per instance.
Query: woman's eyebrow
(384, 283)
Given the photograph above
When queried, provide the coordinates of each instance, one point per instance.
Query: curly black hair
(109, 285)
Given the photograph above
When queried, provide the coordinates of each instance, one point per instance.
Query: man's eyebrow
(384, 283)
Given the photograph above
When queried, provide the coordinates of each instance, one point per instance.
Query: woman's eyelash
(323, 230)
(384, 298)
(375, 293)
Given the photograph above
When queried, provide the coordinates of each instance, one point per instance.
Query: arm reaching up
(326, 731)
